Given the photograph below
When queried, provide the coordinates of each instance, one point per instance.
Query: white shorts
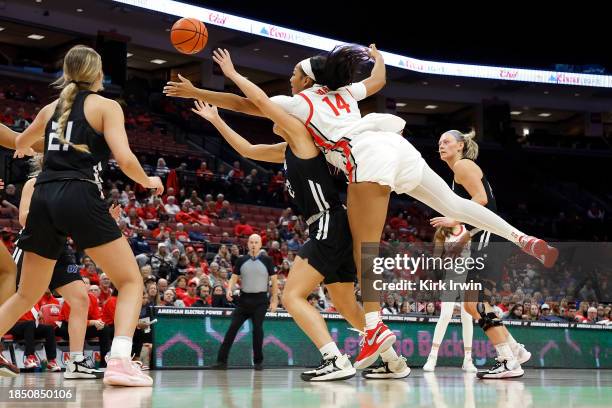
(386, 158)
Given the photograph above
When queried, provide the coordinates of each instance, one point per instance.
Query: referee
(255, 271)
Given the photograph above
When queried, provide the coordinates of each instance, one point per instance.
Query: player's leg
(75, 293)
(367, 205)
(434, 192)
(302, 280)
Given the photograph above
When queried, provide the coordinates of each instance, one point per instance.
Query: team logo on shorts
(72, 269)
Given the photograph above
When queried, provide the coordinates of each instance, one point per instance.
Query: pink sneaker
(539, 249)
(123, 371)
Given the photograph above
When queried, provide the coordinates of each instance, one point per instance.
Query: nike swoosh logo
(370, 342)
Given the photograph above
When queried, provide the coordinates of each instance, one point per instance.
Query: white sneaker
(468, 366)
(522, 355)
(391, 369)
(331, 369)
(502, 369)
(83, 369)
(430, 365)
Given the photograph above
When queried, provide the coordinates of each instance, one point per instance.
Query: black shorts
(330, 248)
(67, 207)
(65, 272)
(494, 250)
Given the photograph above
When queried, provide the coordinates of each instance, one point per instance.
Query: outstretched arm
(378, 77)
(8, 137)
(185, 89)
(291, 125)
(270, 153)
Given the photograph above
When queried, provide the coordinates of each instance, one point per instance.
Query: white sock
(434, 351)
(513, 343)
(330, 350)
(467, 355)
(389, 355)
(504, 351)
(76, 356)
(372, 319)
(121, 347)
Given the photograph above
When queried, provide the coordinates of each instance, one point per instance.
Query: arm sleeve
(239, 263)
(267, 261)
(293, 105)
(358, 90)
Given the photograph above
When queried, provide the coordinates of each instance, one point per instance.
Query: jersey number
(340, 104)
(54, 143)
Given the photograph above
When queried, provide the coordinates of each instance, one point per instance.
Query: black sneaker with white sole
(83, 369)
(388, 370)
(502, 369)
(331, 369)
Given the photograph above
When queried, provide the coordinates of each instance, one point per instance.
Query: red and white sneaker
(7, 369)
(373, 342)
(30, 362)
(125, 372)
(539, 249)
(53, 366)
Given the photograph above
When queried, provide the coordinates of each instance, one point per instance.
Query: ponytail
(470, 147)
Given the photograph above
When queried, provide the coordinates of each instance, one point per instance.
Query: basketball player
(460, 151)
(8, 270)
(445, 241)
(81, 129)
(327, 256)
(67, 281)
(376, 160)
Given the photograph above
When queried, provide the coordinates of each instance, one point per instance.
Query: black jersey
(310, 184)
(62, 161)
(491, 204)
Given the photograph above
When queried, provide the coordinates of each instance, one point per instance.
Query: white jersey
(365, 149)
(329, 116)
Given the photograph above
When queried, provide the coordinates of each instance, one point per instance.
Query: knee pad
(487, 320)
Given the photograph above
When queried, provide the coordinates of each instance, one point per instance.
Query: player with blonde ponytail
(81, 129)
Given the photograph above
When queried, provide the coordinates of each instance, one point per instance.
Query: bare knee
(78, 301)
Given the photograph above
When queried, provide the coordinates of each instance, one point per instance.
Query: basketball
(189, 35)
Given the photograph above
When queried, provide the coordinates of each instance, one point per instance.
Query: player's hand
(182, 89)
(454, 249)
(374, 53)
(115, 211)
(229, 296)
(155, 183)
(223, 58)
(99, 324)
(21, 153)
(207, 111)
(443, 222)
(273, 306)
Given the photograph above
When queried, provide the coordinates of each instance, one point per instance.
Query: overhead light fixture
(425, 83)
(255, 49)
(36, 37)
(431, 107)
(457, 85)
(399, 104)
(158, 61)
(546, 92)
(167, 30)
(544, 115)
(576, 94)
(515, 113)
(129, 54)
(285, 56)
(1, 28)
(525, 131)
(39, 1)
(79, 10)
